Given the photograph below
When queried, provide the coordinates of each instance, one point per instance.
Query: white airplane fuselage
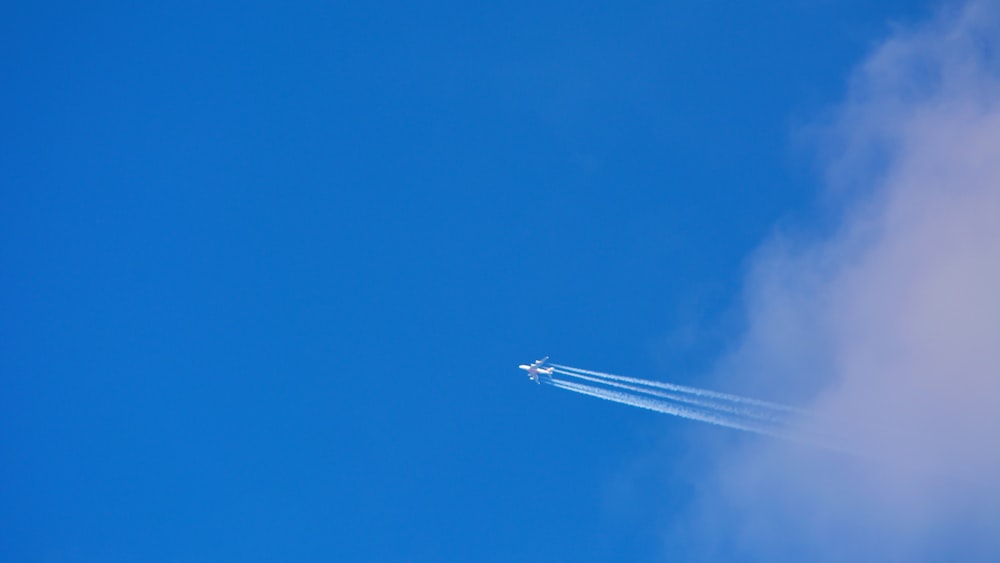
(535, 369)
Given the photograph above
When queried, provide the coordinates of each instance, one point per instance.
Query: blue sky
(267, 270)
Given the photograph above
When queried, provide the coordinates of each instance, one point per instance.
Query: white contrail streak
(662, 407)
(729, 407)
(705, 393)
(796, 434)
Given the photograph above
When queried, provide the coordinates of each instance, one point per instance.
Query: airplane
(536, 369)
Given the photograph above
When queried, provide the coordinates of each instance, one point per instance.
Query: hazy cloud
(890, 327)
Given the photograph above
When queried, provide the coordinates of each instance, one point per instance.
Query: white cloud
(891, 325)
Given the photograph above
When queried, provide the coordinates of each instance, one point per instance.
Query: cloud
(889, 326)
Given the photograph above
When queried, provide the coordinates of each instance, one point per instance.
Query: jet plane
(536, 369)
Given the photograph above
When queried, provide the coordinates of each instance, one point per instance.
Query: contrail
(729, 407)
(709, 412)
(662, 407)
(705, 393)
